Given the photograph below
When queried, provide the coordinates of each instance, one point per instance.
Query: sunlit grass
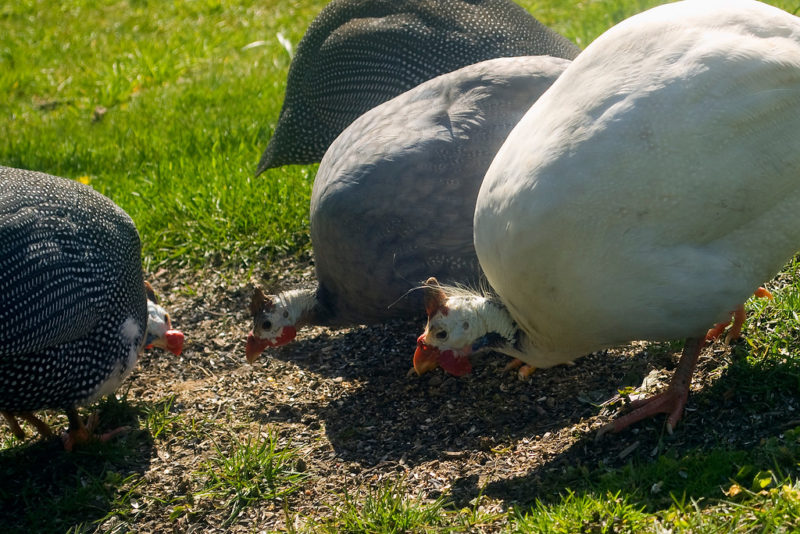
(251, 470)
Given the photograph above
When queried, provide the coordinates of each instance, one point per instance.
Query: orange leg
(673, 400)
(738, 320)
(41, 426)
(13, 425)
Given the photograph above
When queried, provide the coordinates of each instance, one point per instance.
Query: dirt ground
(345, 399)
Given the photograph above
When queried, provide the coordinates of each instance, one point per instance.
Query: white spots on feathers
(359, 53)
(72, 302)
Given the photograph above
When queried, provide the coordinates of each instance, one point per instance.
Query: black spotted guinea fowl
(357, 54)
(645, 196)
(393, 198)
(74, 309)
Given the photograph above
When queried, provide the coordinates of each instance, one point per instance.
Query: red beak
(426, 357)
(174, 341)
(255, 347)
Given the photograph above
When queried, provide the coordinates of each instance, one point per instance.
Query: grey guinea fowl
(73, 304)
(393, 198)
(359, 53)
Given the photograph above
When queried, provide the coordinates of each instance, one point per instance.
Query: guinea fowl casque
(645, 196)
(74, 308)
(357, 54)
(403, 168)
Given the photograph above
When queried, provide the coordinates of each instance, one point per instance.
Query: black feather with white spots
(359, 53)
(73, 309)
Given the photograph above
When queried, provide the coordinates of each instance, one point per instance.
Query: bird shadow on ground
(355, 353)
(748, 407)
(44, 488)
(393, 416)
(517, 441)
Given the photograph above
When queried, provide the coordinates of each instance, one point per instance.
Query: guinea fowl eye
(441, 334)
(465, 326)
(266, 325)
(285, 314)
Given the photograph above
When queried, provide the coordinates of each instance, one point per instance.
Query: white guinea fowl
(650, 190)
(393, 199)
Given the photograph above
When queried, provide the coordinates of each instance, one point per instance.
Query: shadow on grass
(46, 489)
(409, 420)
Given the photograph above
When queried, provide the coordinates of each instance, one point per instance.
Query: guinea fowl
(646, 194)
(403, 168)
(73, 303)
(357, 54)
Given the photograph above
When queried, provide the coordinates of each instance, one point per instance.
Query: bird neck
(500, 331)
(301, 305)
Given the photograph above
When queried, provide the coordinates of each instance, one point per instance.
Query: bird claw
(671, 402)
(84, 433)
(525, 370)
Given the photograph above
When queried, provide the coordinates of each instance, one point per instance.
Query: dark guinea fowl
(648, 192)
(394, 195)
(73, 303)
(357, 54)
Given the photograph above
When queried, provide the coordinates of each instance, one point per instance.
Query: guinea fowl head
(159, 327)
(273, 324)
(455, 330)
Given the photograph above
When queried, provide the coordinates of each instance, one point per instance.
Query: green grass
(391, 508)
(251, 471)
(163, 107)
(159, 417)
(189, 108)
(386, 508)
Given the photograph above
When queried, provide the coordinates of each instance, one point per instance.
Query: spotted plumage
(394, 195)
(359, 53)
(73, 307)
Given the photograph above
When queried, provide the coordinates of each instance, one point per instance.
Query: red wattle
(455, 364)
(287, 334)
(174, 341)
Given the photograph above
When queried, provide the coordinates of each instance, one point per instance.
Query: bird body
(647, 194)
(357, 54)
(73, 304)
(394, 195)
(654, 186)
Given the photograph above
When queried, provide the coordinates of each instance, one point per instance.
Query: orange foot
(672, 401)
(80, 433)
(738, 320)
(525, 370)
